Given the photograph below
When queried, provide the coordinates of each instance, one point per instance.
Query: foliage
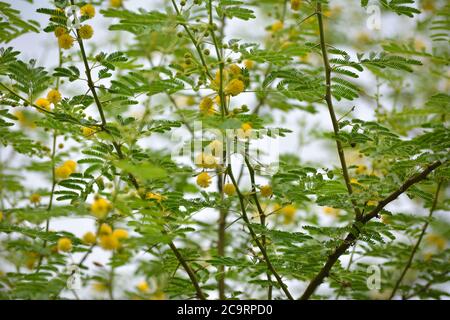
(105, 151)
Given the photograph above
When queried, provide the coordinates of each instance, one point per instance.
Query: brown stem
(133, 180)
(351, 237)
(329, 101)
(419, 240)
(255, 238)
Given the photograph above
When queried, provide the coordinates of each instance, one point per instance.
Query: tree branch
(255, 238)
(419, 240)
(351, 237)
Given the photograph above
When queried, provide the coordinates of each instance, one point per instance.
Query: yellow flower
(100, 208)
(245, 131)
(158, 295)
(43, 103)
(65, 41)
(35, 198)
(105, 229)
(438, 241)
(419, 45)
(354, 181)
(71, 164)
(288, 213)
(109, 242)
(216, 148)
(63, 172)
(266, 191)
(64, 244)
(206, 161)
(31, 259)
(295, 5)
(229, 189)
(372, 203)
(1, 216)
(87, 132)
(204, 180)
(88, 10)
(207, 106)
(385, 219)
(234, 87)
(85, 32)
(143, 287)
(99, 287)
(249, 64)
(54, 96)
(331, 211)
(428, 5)
(59, 31)
(89, 238)
(234, 70)
(120, 233)
(277, 26)
(115, 3)
(361, 169)
(155, 196)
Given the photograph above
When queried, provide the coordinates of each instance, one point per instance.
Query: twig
(352, 236)
(419, 240)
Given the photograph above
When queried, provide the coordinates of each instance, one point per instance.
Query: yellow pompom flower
(100, 208)
(288, 213)
(109, 242)
(372, 203)
(204, 180)
(234, 70)
(143, 286)
(266, 191)
(385, 219)
(245, 131)
(206, 161)
(115, 3)
(234, 87)
(89, 238)
(120, 233)
(87, 132)
(43, 103)
(295, 5)
(54, 96)
(158, 295)
(436, 240)
(63, 172)
(277, 26)
(64, 244)
(59, 31)
(249, 64)
(354, 181)
(331, 211)
(65, 41)
(361, 169)
(155, 196)
(71, 164)
(88, 10)
(105, 229)
(99, 287)
(85, 32)
(229, 189)
(207, 106)
(35, 198)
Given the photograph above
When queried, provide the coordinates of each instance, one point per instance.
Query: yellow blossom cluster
(66, 169)
(100, 207)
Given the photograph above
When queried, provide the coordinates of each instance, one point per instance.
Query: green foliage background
(387, 96)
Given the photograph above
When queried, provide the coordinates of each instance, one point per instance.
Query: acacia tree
(225, 224)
